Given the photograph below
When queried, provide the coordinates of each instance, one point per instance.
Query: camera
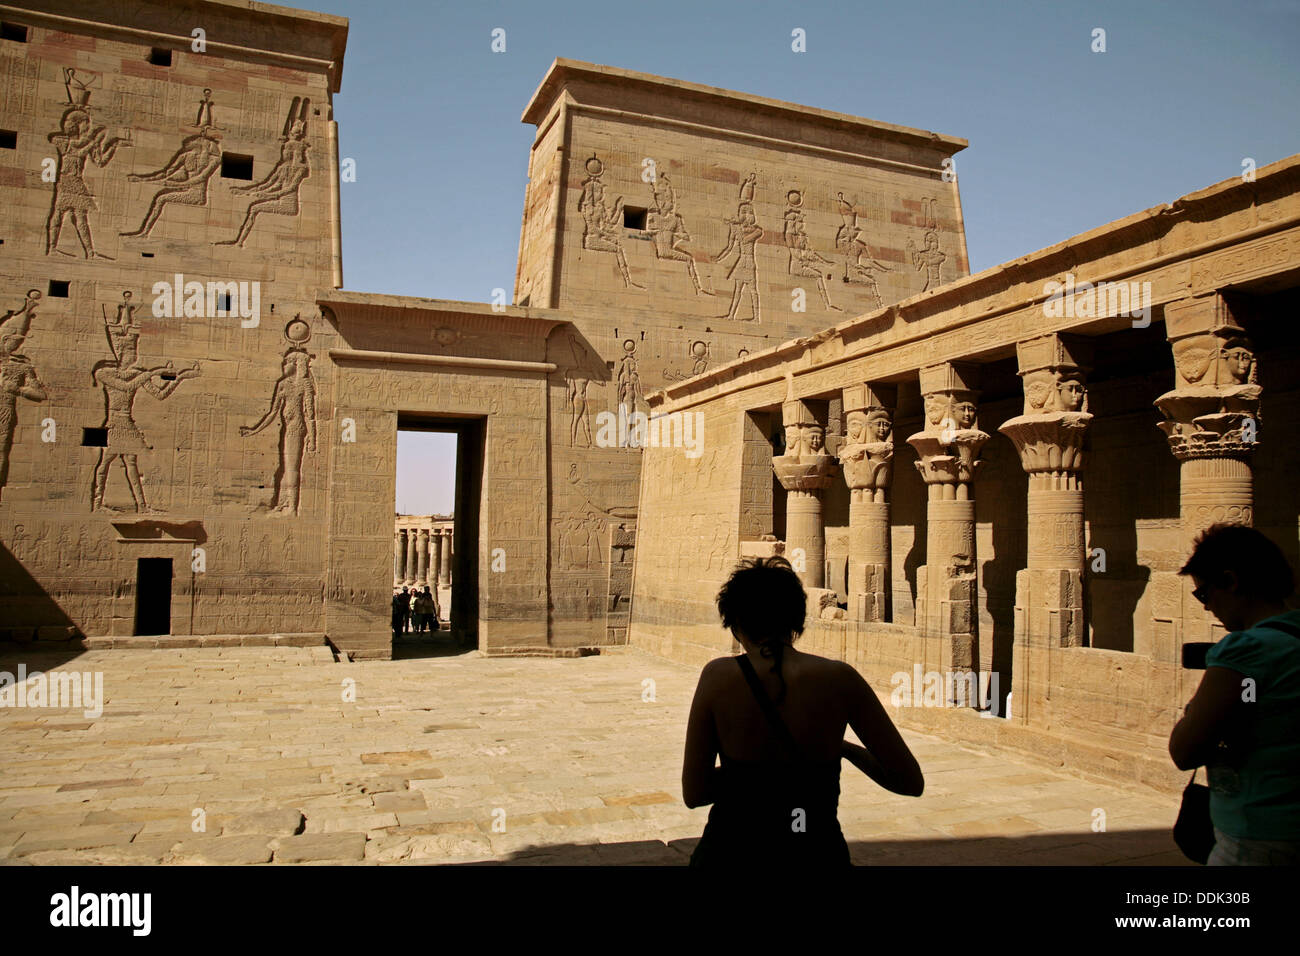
(1194, 655)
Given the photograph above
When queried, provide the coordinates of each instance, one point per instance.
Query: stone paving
(282, 755)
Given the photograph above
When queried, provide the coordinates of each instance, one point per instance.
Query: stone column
(422, 553)
(1049, 436)
(398, 552)
(867, 459)
(804, 471)
(1212, 424)
(444, 543)
(949, 449)
(410, 555)
(435, 558)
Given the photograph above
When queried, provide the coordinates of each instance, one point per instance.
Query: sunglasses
(1201, 593)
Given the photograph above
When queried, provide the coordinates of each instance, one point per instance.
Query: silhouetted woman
(776, 718)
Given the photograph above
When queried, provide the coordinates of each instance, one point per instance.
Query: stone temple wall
(154, 438)
(1002, 477)
(676, 227)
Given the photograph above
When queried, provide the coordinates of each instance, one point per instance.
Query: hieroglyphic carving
(76, 142)
(278, 192)
(665, 223)
(293, 401)
(699, 355)
(186, 175)
(743, 232)
(859, 265)
(121, 378)
(18, 378)
(601, 226)
(803, 260)
(930, 258)
(19, 75)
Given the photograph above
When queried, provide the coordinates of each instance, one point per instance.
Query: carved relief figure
(930, 258)
(278, 192)
(293, 403)
(628, 379)
(699, 354)
(743, 233)
(600, 230)
(859, 266)
(187, 173)
(577, 382)
(1239, 361)
(669, 230)
(803, 259)
(77, 142)
(122, 378)
(18, 378)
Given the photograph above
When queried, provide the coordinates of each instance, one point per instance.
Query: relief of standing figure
(122, 378)
(293, 402)
(77, 142)
(18, 378)
(743, 234)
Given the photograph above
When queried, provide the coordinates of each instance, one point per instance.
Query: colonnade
(422, 556)
(1211, 423)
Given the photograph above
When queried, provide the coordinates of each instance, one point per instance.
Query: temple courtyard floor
(282, 755)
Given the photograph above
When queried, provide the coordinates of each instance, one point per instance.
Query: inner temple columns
(867, 459)
(948, 448)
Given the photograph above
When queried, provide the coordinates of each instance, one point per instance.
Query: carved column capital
(1213, 409)
(806, 464)
(950, 442)
(868, 451)
(1050, 434)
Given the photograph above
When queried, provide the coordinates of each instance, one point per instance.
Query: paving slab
(454, 760)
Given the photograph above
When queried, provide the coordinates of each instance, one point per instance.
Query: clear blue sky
(1062, 139)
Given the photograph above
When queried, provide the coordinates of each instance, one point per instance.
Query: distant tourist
(776, 718)
(1243, 724)
(399, 612)
(424, 610)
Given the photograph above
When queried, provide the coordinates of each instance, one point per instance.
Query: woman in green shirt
(1243, 724)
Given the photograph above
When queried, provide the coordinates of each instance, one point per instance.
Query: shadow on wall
(25, 606)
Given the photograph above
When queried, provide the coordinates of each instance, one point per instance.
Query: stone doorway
(153, 596)
(453, 565)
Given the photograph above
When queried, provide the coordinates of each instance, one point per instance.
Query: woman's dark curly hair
(765, 600)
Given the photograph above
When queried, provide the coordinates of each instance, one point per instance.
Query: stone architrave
(867, 460)
(1050, 437)
(444, 543)
(398, 554)
(411, 540)
(804, 471)
(949, 448)
(1212, 424)
(422, 554)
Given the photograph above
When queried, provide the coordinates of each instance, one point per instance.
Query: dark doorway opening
(153, 596)
(459, 597)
